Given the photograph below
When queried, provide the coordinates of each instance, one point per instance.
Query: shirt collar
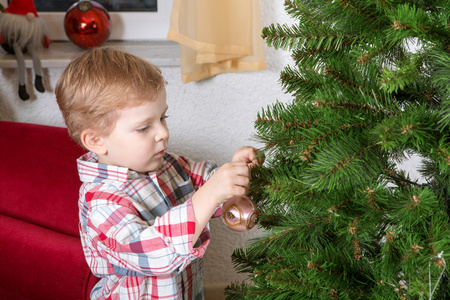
(90, 170)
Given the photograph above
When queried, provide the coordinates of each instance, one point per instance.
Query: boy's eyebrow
(140, 122)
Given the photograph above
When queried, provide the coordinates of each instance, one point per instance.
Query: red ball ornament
(239, 213)
(87, 24)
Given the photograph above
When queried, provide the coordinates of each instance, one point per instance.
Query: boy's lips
(161, 153)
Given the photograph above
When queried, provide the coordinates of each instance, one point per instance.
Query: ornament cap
(85, 5)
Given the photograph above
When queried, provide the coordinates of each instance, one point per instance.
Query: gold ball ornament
(239, 213)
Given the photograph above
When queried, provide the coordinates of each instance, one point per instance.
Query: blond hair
(101, 81)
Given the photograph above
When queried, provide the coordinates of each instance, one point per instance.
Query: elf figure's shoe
(23, 93)
(38, 84)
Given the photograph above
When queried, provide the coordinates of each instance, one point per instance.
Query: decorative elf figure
(21, 30)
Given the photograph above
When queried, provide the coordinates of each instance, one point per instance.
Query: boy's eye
(142, 129)
(163, 118)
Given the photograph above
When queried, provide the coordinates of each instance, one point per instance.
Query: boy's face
(140, 137)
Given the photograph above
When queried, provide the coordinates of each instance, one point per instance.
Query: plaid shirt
(137, 230)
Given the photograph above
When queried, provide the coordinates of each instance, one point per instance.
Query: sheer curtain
(217, 36)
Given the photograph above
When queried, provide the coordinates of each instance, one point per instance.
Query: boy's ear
(93, 141)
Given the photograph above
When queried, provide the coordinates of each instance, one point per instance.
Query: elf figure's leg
(21, 69)
(37, 67)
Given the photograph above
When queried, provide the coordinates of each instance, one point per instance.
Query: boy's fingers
(256, 158)
(243, 180)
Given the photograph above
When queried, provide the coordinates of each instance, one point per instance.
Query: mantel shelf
(59, 54)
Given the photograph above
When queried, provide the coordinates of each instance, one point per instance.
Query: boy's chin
(154, 166)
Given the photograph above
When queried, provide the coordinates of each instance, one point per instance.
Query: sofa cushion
(42, 264)
(38, 176)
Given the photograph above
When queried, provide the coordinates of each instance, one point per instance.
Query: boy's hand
(232, 179)
(249, 155)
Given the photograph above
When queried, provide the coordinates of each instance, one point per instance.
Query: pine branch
(236, 291)
(369, 83)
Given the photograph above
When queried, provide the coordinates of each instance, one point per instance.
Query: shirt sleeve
(200, 172)
(120, 242)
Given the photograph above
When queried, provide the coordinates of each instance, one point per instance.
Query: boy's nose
(162, 134)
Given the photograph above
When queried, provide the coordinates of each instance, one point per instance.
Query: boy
(143, 212)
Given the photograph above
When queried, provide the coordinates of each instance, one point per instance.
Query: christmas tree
(370, 86)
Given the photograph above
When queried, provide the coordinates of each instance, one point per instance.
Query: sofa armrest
(38, 175)
(42, 264)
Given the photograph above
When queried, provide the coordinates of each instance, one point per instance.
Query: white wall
(207, 120)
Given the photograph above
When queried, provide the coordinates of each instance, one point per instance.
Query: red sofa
(40, 251)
